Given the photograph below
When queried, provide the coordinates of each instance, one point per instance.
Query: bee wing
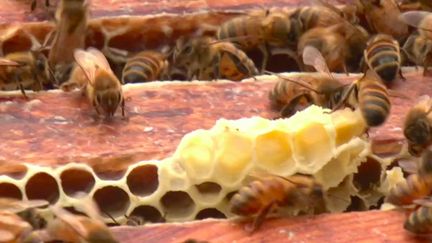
(87, 62)
(314, 58)
(414, 18)
(90, 208)
(16, 206)
(7, 62)
(426, 202)
(6, 236)
(69, 219)
(99, 58)
(408, 165)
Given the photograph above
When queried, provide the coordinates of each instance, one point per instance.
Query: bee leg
(345, 69)
(401, 75)
(123, 107)
(294, 105)
(47, 3)
(259, 219)
(265, 52)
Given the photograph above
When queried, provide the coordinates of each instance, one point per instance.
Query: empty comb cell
(232, 157)
(274, 154)
(348, 124)
(337, 199)
(347, 160)
(195, 154)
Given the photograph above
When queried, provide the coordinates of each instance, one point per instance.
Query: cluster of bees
(320, 37)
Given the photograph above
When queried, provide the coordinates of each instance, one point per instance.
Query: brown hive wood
(54, 128)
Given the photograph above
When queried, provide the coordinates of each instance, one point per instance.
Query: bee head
(108, 101)
(418, 131)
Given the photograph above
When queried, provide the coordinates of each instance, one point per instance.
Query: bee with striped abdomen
(145, 66)
(262, 31)
(383, 55)
(371, 96)
(418, 126)
(262, 195)
(382, 17)
(207, 59)
(339, 44)
(290, 95)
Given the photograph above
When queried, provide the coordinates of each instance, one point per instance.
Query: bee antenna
(293, 81)
(110, 216)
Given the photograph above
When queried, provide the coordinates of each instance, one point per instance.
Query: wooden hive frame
(161, 126)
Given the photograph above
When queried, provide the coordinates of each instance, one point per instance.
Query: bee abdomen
(251, 199)
(406, 192)
(142, 68)
(374, 103)
(385, 61)
(420, 221)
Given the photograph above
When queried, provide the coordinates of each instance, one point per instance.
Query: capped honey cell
(274, 153)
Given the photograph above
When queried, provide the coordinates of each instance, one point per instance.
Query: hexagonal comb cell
(42, 186)
(209, 190)
(147, 214)
(75, 180)
(143, 180)
(112, 200)
(274, 152)
(233, 156)
(195, 154)
(210, 213)
(16, 171)
(368, 175)
(177, 204)
(10, 190)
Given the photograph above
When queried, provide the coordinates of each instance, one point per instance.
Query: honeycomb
(208, 166)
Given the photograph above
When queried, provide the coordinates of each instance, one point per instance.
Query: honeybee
(323, 14)
(419, 44)
(135, 220)
(261, 195)
(22, 70)
(417, 126)
(382, 55)
(94, 75)
(418, 49)
(77, 228)
(15, 225)
(382, 16)
(69, 34)
(261, 31)
(339, 44)
(290, 96)
(371, 96)
(416, 186)
(206, 58)
(145, 66)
